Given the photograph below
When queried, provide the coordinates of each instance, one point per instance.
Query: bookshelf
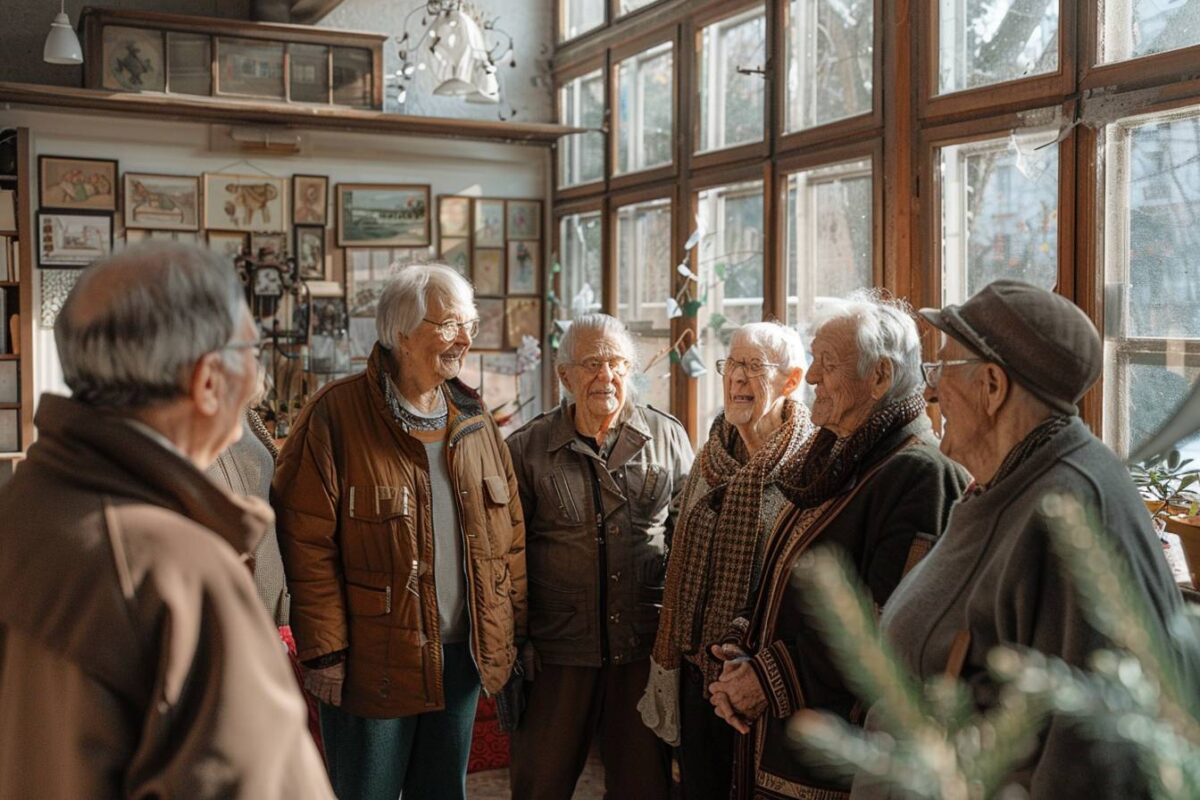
(16, 308)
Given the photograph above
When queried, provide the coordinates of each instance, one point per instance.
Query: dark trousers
(424, 755)
(567, 707)
(705, 742)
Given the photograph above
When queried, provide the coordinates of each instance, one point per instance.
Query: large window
(1152, 276)
(983, 42)
(1135, 28)
(732, 86)
(582, 277)
(829, 61)
(629, 6)
(644, 271)
(729, 264)
(577, 17)
(999, 201)
(645, 109)
(581, 105)
(829, 235)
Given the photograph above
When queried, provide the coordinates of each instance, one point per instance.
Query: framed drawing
(310, 251)
(250, 68)
(488, 272)
(275, 243)
(491, 323)
(524, 266)
(73, 239)
(456, 253)
(245, 202)
(383, 215)
(66, 183)
(524, 219)
(523, 317)
(454, 216)
(489, 223)
(310, 200)
(228, 245)
(133, 59)
(161, 202)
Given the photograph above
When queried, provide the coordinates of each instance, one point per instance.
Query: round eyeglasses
(753, 368)
(932, 370)
(448, 330)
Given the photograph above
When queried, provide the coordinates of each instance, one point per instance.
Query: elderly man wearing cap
(1015, 361)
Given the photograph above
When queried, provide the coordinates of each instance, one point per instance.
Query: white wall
(184, 148)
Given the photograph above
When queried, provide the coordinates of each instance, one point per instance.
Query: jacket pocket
(557, 613)
(366, 601)
(649, 493)
(497, 516)
(378, 533)
(556, 495)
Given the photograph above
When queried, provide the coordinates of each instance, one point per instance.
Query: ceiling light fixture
(62, 45)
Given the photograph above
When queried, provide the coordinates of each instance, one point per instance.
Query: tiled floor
(493, 785)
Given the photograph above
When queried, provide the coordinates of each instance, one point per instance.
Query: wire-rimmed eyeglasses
(932, 370)
(448, 330)
(754, 368)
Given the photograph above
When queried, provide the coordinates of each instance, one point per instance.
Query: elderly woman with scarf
(872, 482)
(729, 506)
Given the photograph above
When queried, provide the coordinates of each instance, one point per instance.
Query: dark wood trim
(569, 73)
(225, 110)
(583, 190)
(222, 26)
(28, 239)
(1089, 252)
(1133, 73)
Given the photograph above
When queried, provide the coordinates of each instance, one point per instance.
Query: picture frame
(454, 216)
(161, 202)
(524, 267)
(73, 239)
(189, 63)
(250, 68)
(328, 316)
(252, 203)
(228, 244)
(488, 222)
(325, 289)
(310, 200)
(522, 317)
(310, 252)
(487, 270)
(383, 215)
(136, 235)
(66, 183)
(134, 59)
(491, 324)
(370, 270)
(523, 219)
(456, 253)
(276, 243)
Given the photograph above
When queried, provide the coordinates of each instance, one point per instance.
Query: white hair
(606, 327)
(784, 344)
(405, 301)
(884, 329)
(161, 307)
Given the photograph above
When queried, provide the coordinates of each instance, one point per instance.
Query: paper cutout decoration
(692, 363)
(673, 308)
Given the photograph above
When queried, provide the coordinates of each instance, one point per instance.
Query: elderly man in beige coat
(135, 657)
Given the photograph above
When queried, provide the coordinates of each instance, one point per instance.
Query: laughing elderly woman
(871, 481)
(403, 541)
(729, 506)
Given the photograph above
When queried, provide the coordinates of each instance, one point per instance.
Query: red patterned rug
(489, 747)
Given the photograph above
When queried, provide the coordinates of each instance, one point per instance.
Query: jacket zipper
(472, 638)
(602, 563)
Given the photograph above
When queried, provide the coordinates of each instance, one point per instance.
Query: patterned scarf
(831, 461)
(717, 550)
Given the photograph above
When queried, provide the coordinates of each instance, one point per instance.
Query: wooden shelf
(9, 284)
(224, 110)
(10, 406)
(10, 356)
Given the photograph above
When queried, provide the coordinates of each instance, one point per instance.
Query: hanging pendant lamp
(62, 45)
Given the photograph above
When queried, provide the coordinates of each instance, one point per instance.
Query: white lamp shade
(62, 45)
(459, 44)
(486, 90)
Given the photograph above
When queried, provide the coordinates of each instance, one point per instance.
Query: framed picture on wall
(73, 239)
(135, 235)
(66, 183)
(275, 243)
(310, 251)
(161, 202)
(454, 216)
(133, 59)
(310, 199)
(383, 215)
(245, 202)
(228, 245)
(491, 323)
(456, 253)
(523, 317)
(250, 68)
(524, 219)
(524, 266)
(488, 271)
(489, 223)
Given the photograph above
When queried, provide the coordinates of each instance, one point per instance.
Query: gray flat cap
(1042, 340)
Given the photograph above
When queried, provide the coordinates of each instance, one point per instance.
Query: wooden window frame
(560, 41)
(615, 15)
(616, 56)
(560, 210)
(561, 78)
(861, 125)
(1130, 73)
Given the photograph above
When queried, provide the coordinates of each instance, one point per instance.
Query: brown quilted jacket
(355, 522)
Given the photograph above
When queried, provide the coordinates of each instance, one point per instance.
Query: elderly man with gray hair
(598, 477)
(871, 481)
(403, 542)
(135, 657)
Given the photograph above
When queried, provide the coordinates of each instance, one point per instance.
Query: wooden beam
(224, 110)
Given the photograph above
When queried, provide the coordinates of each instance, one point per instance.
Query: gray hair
(405, 300)
(884, 329)
(784, 344)
(606, 327)
(149, 314)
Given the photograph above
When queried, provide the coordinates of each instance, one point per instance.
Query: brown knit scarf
(717, 549)
(1023, 450)
(831, 461)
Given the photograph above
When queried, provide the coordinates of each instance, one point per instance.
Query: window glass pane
(829, 230)
(579, 16)
(1133, 28)
(729, 263)
(644, 271)
(628, 6)
(829, 63)
(581, 105)
(981, 42)
(999, 202)
(731, 102)
(1152, 279)
(582, 283)
(645, 98)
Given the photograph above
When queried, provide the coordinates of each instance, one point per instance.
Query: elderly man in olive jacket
(598, 477)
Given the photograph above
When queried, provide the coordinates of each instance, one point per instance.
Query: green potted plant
(1164, 486)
